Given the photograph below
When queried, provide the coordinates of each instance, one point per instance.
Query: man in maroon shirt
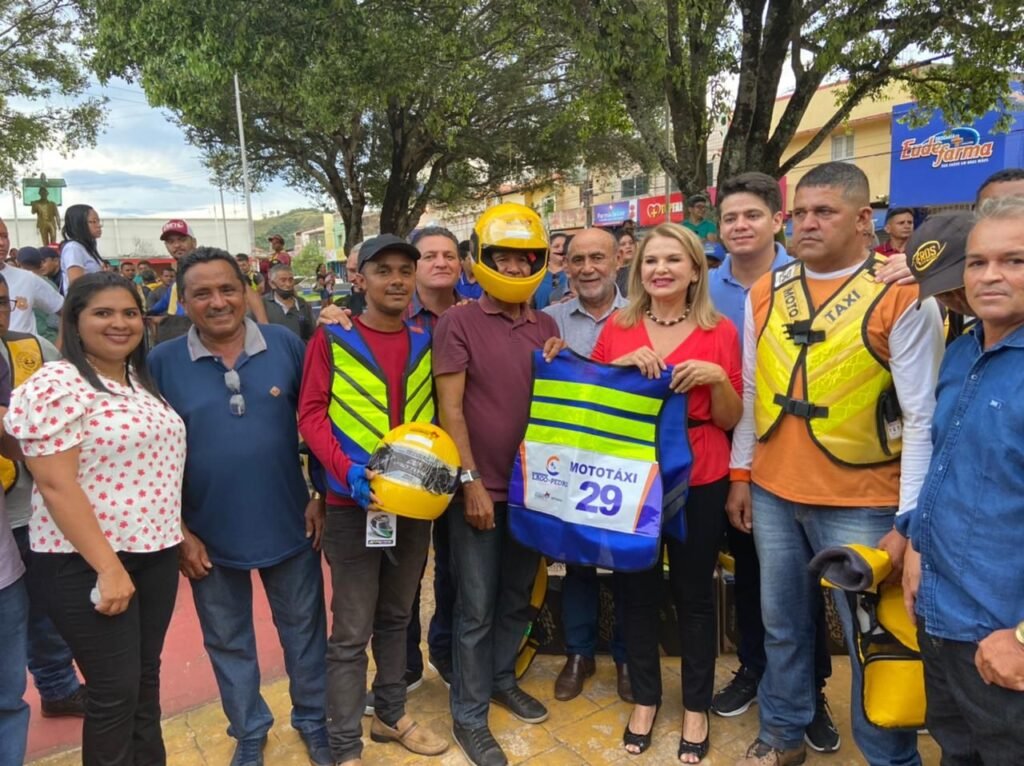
(899, 225)
(483, 369)
(354, 390)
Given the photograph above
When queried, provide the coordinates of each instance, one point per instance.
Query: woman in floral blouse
(107, 455)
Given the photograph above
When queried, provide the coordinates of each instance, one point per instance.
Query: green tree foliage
(706, 61)
(380, 102)
(305, 262)
(41, 60)
(286, 224)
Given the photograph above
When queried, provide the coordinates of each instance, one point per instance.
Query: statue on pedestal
(47, 217)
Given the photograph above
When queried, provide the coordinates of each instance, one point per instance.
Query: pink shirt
(131, 459)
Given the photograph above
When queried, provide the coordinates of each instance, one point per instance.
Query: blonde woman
(670, 323)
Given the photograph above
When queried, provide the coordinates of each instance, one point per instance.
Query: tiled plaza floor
(586, 730)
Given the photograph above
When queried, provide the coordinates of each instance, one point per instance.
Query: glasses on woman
(237, 401)
(7, 306)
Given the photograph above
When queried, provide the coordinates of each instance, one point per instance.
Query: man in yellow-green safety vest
(839, 371)
(358, 384)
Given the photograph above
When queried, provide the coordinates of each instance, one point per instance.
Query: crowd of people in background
(830, 401)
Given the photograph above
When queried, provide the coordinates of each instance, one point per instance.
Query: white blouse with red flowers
(131, 459)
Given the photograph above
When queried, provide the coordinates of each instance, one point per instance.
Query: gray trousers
(372, 597)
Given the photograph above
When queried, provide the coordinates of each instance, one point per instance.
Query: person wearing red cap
(167, 312)
(277, 255)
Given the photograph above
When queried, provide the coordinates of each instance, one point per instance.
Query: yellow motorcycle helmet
(417, 468)
(509, 226)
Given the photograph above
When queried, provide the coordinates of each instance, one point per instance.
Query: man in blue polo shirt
(245, 503)
(750, 215)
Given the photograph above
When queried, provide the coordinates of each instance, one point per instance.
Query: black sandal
(640, 741)
(699, 749)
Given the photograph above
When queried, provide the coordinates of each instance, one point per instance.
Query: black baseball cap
(384, 243)
(33, 257)
(937, 250)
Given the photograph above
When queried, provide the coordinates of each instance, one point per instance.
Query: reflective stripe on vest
(603, 466)
(849, 402)
(173, 307)
(359, 410)
(25, 356)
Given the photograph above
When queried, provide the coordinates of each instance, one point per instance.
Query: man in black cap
(42, 261)
(935, 257)
(379, 360)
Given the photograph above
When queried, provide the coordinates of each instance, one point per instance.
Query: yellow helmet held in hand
(417, 469)
(515, 227)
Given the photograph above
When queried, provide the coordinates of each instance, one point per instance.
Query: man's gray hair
(1000, 208)
(279, 268)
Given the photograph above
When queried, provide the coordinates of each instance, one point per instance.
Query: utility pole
(245, 166)
(16, 238)
(224, 219)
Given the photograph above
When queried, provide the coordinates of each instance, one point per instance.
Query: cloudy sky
(142, 166)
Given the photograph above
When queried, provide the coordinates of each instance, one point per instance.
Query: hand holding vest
(604, 466)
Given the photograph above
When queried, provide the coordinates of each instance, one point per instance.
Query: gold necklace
(668, 322)
(123, 379)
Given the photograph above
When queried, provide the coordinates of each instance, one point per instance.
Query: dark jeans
(439, 634)
(373, 594)
(691, 577)
(975, 724)
(295, 592)
(49, 656)
(119, 656)
(494, 575)
(581, 608)
(748, 612)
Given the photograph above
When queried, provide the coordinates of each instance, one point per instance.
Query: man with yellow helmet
(482, 367)
(357, 385)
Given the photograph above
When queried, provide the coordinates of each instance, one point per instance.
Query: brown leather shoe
(415, 738)
(624, 687)
(569, 683)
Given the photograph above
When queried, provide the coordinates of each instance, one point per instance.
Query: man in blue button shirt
(967, 564)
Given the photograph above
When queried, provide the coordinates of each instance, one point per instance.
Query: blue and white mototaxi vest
(604, 466)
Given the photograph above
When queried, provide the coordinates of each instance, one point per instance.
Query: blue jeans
(581, 608)
(295, 591)
(787, 535)
(13, 708)
(494, 575)
(49, 657)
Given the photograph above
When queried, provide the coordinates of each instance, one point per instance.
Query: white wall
(140, 237)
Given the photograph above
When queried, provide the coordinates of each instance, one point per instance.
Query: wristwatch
(468, 475)
(1019, 633)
